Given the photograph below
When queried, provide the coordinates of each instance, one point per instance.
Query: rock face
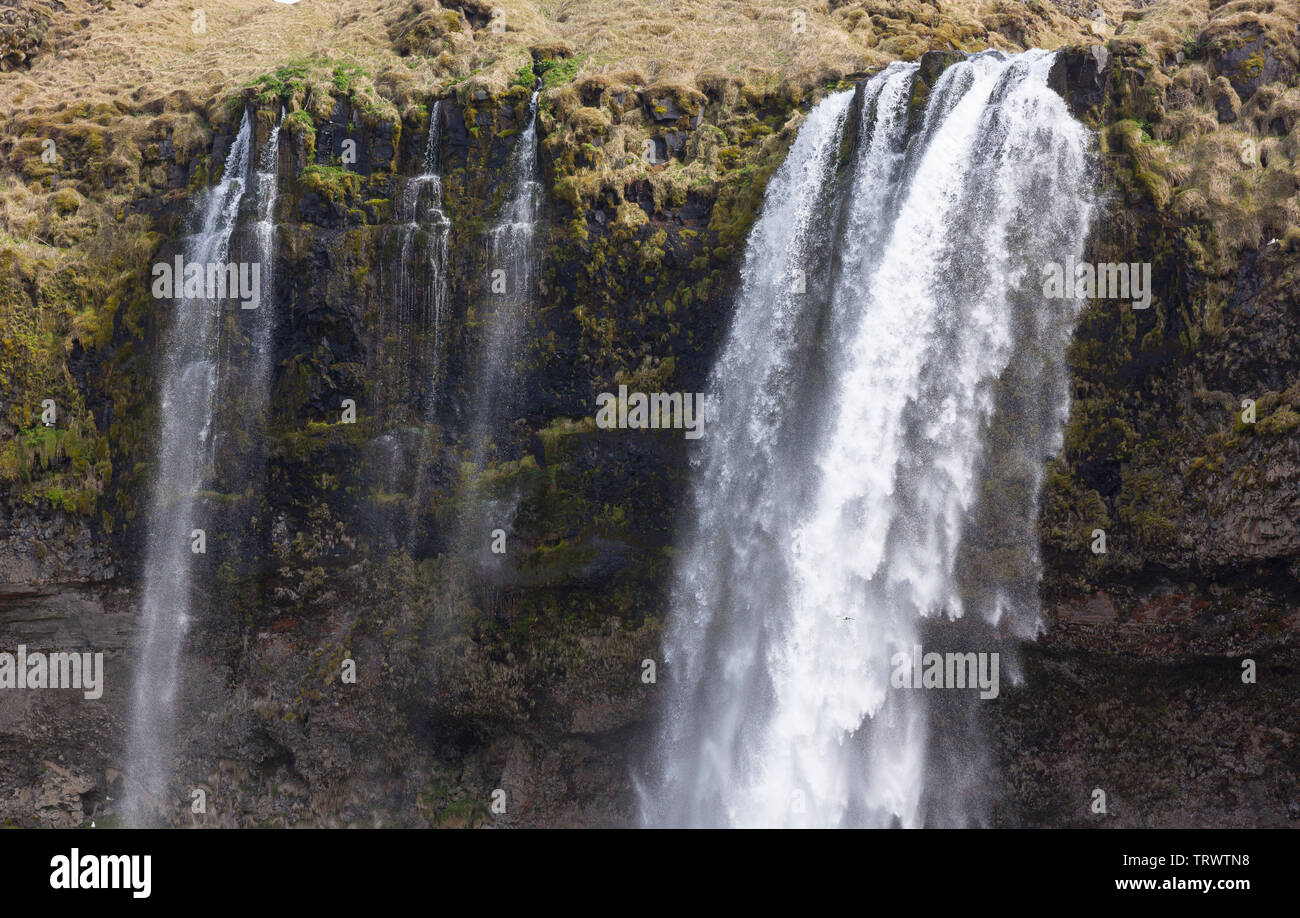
(1249, 62)
(1137, 687)
(61, 748)
(524, 675)
(1079, 75)
(1143, 698)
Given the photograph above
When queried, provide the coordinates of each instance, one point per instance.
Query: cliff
(657, 135)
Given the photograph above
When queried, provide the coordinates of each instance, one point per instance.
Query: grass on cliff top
(113, 83)
(143, 56)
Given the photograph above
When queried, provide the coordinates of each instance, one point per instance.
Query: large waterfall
(887, 393)
(198, 370)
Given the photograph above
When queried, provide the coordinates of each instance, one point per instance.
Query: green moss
(282, 83)
(300, 121)
(524, 76)
(66, 201)
(63, 467)
(317, 437)
(1148, 507)
(379, 210)
(1280, 423)
(300, 124)
(558, 71)
(555, 437)
(345, 74)
(334, 182)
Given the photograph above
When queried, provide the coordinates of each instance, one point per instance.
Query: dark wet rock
(1079, 75)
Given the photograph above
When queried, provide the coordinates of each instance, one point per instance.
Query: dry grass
(146, 54)
(1165, 27)
(1241, 177)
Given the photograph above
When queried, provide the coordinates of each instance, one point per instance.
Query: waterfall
(200, 367)
(412, 358)
(267, 183)
(510, 280)
(421, 279)
(511, 276)
(837, 493)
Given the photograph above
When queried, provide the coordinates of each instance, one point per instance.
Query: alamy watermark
(652, 411)
(946, 670)
(102, 871)
(216, 281)
(55, 670)
(1106, 281)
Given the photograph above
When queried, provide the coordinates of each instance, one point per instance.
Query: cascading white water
(191, 377)
(510, 242)
(510, 252)
(830, 507)
(421, 279)
(263, 319)
(412, 359)
(510, 293)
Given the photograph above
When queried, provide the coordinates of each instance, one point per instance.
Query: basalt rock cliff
(523, 671)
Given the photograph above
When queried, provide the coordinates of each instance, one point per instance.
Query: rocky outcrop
(1079, 75)
(1174, 702)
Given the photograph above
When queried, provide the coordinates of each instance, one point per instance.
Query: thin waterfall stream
(196, 369)
(510, 290)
